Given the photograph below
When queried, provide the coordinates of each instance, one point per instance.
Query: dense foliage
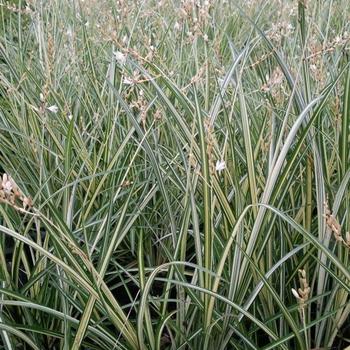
(174, 174)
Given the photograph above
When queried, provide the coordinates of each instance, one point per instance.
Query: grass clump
(175, 174)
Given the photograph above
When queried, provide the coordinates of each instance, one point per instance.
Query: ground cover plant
(174, 174)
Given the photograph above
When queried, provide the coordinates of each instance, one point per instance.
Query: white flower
(220, 165)
(8, 184)
(120, 57)
(177, 26)
(128, 81)
(69, 116)
(295, 293)
(290, 27)
(69, 32)
(53, 109)
(337, 39)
